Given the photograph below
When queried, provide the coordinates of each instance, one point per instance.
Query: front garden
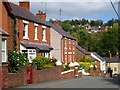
(85, 64)
(17, 59)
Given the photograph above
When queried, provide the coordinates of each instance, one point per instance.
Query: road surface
(83, 82)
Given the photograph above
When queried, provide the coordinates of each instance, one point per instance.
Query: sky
(75, 9)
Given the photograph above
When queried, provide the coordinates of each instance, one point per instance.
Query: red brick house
(81, 53)
(64, 45)
(28, 33)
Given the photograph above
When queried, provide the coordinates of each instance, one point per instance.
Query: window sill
(44, 41)
(35, 39)
(26, 38)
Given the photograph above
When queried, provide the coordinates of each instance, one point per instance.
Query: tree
(66, 26)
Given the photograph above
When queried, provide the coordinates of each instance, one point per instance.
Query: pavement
(83, 82)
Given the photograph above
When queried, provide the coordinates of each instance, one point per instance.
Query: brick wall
(20, 79)
(69, 74)
(0, 77)
(68, 50)
(14, 79)
(97, 72)
(79, 55)
(38, 76)
(47, 74)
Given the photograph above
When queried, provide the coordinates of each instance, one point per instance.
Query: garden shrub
(15, 60)
(43, 62)
(86, 65)
(86, 60)
(66, 67)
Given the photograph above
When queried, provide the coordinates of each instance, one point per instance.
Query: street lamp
(109, 57)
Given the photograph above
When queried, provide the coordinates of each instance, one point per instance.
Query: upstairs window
(44, 34)
(36, 32)
(25, 30)
(4, 50)
(69, 41)
(115, 69)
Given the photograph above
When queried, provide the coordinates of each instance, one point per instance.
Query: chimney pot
(25, 4)
(41, 15)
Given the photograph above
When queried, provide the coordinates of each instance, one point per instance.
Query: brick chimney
(25, 4)
(41, 15)
(57, 22)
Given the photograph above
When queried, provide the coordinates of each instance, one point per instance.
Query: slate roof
(41, 47)
(25, 14)
(98, 56)
(60, 31)
(82, 50)
(3, 33)
(112, 60)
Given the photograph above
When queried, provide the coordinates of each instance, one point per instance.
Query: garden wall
(46, 74)
(67, 74)
(37, 76)
(14, 79)
(97, 72)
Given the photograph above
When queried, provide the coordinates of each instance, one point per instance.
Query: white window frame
(36, 32)
(65, 41)
(44, 34)
(25, 29)
(69, 41)
(45, 54)
(5, 50)
(28, 54)
(33, 52)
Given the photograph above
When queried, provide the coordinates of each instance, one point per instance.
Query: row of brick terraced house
(33, 35)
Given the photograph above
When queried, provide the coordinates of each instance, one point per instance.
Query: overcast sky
(75, 9)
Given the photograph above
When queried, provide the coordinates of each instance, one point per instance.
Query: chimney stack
(25, 4)
(57, 23)
(41, 15)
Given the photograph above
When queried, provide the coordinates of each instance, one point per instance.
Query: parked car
(115, 75)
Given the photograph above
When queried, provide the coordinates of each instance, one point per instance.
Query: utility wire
(114, 9)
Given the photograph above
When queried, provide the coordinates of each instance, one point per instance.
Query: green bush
(43, 62)
(53, 61)
(15, 60)
(86, 65)
(86, 60)
(66, 67)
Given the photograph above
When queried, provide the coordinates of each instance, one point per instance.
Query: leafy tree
(66, 26)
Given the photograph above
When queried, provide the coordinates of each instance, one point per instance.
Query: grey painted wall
(55, 42)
